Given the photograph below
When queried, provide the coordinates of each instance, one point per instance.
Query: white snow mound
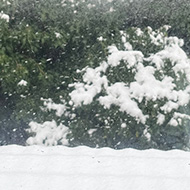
(83, 168)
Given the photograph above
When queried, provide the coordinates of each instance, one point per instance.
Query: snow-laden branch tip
(4, 16)
(22, 83)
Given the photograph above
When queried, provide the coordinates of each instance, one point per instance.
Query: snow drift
(83, 168)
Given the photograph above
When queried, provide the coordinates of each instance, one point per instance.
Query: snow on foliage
(146, 84)
(50, 105)
(4, 16)
(48, 133)
(22, 83)
(147, 91)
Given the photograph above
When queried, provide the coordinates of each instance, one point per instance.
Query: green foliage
(109, 118)
(43, 43)
(157, 13)
(46, 41)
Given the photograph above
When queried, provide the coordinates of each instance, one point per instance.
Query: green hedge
(46, 41)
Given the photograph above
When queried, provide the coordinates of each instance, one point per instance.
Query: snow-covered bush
(136, 97)
(44, 42)
(156, 13)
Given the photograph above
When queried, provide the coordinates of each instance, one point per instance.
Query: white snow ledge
(83, 168)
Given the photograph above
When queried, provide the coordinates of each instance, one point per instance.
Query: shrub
(135, 98)
(44, 42)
